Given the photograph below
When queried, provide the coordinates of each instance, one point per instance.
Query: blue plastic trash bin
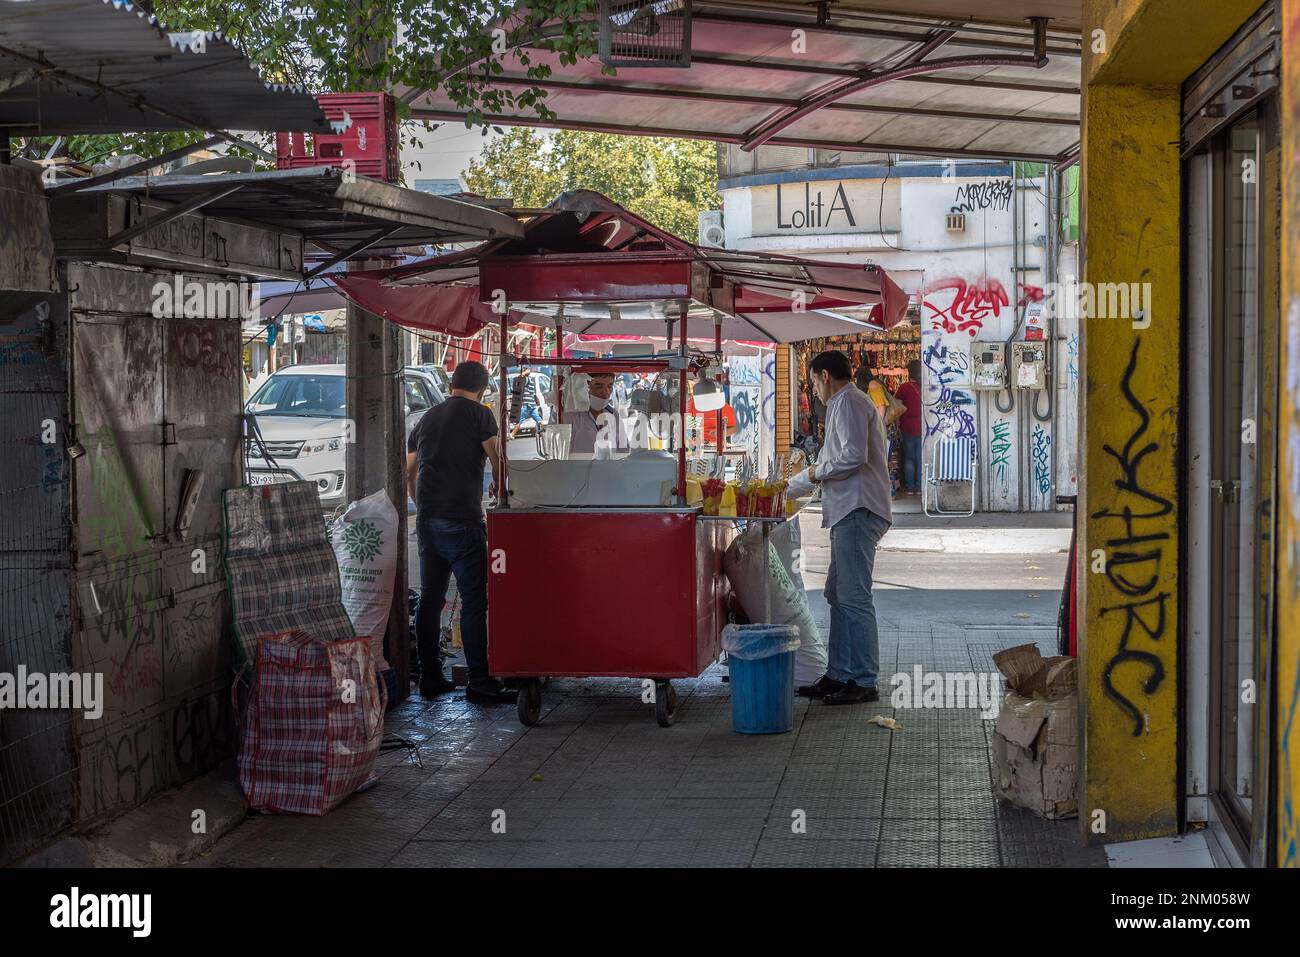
(761, 661)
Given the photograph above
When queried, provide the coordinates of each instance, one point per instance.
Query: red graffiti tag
(1032, 294)
(972, 304)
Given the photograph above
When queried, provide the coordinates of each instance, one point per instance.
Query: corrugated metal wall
(152, 399)
(95, 575)
(36, 761)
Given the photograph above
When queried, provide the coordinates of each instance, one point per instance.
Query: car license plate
(268, 478)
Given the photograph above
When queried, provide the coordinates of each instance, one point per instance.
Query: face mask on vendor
(599, 390)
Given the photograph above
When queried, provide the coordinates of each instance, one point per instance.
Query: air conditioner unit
(711, 231)
(956, 222)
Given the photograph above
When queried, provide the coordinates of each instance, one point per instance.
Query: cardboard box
(1036, 738)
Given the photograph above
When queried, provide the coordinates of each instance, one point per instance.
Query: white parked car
(300, 412)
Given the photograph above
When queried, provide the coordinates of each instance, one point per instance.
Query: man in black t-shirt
(444, 473)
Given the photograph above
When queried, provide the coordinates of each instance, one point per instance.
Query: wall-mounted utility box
(989, 362)
(1029, 365)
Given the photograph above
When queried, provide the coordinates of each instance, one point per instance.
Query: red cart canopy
(595, 267)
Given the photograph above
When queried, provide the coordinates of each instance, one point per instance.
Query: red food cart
(616, 591)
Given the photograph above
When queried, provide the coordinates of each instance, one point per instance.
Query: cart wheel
(529, 702)
(665, 703)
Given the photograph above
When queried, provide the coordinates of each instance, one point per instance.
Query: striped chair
(953, 460)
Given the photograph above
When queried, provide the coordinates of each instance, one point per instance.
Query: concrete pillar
(376, 454)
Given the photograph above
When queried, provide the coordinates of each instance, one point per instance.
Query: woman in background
(889, 408)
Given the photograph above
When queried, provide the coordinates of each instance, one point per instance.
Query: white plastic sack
(574, 392)
(743, 565)
(365, 545)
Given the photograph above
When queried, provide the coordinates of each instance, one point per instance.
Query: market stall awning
(105, 66)
(588, 263)
(331, 209)
(934, 77)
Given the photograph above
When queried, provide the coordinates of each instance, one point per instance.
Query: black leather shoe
(435, 685)
(820, 688)
(851, 693)
(490, 691)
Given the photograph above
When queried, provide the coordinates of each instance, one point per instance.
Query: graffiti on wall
(1135, 527)
(995, 195)
(1041, 452)
(950, 410)
(743, 373)
(956, 305)
(1072, 362)
(1000, 450)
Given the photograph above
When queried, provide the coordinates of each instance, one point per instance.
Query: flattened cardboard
(1035, 748)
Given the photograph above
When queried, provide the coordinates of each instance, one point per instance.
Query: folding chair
(952, 461)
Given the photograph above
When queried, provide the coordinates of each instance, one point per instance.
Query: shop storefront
(886, 353)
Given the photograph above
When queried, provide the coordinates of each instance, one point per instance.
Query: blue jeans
(448, 548)
(912, 445)
(529, 411)
(854, 646)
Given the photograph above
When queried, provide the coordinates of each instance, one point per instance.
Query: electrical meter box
(1029, 365)
(989, 360)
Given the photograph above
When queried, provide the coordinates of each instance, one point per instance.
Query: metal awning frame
(926, 34)
(343, 216)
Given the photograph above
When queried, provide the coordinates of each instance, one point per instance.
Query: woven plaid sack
(313, 726)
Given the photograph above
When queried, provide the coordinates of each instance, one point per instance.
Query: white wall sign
(825, 206)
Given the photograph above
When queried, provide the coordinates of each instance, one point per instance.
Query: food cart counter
(604, 592)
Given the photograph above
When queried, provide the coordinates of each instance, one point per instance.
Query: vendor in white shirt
(600, 425)
(853, 471)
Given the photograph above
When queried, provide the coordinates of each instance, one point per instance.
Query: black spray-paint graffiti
(1134, 557)
(994, 195)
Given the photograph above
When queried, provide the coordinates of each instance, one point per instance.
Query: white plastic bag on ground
(365, 544)
(743, 565)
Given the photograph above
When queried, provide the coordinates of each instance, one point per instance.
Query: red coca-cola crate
(365, 133)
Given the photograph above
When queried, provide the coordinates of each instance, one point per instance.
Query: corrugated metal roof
(330, 208)
(105, 66)
(751, 84)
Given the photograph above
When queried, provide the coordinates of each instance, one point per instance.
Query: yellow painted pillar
(1137, 53)
(1287, 718)
(1128, 501)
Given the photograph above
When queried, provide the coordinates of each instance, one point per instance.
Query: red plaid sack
(313, 726)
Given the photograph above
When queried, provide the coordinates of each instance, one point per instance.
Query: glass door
(1242, 366)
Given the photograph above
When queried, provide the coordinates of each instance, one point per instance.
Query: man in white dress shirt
(599, 425)
(853, 471)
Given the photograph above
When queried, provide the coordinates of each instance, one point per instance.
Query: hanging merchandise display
(886, 353)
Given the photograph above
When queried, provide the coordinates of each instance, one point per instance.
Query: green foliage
(665, 181)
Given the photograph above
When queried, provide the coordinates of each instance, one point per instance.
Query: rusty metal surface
(26, 250)
(155, 399)
(83, 224)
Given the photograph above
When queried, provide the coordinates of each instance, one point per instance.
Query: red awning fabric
(602, 270)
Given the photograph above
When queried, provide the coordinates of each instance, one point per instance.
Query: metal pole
(720, 437)
(555, 382)
(376, 454)
(503, 500)
(681, 409)
(767, 589)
